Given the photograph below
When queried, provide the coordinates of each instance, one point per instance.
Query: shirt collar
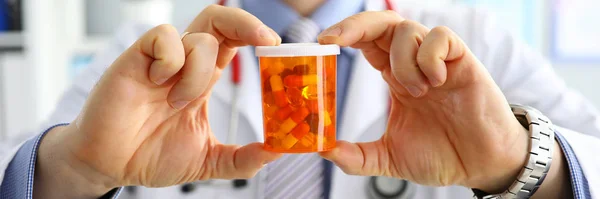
(278, 15)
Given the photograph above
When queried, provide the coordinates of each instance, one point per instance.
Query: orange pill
(295, 97)
(267, 85)
(270, 111)
(313, 122)
(312, 105)
(268, 99)
(286, 73)
(296, 134)
(330, 71)
(295, 118)
(273, 125)
(283, 113)
(275, 68)
(304, 69)
(326, 118)
(329, 131)
(299, 114)
(299, 131)
(273, 142)
(300, 80)
(308, 140)
(278, 92)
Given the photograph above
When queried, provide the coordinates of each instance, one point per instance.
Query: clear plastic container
(298, 96)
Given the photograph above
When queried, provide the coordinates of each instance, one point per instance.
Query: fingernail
(160, 81)
(180, 104)
(332, 32)
(414, 91)
(435, 82)
(265, 32)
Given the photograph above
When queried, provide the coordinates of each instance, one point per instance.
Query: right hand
(146, 123)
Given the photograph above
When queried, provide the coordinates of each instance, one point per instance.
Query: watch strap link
(540, 155)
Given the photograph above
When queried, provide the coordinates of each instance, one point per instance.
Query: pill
(278, 92)
(275, 68)
(304, 69)
(308, 139)
(300, 130)
(283, 113)
(326, 118)
(310, 92)
(330, 102)
(273, 125)
(300, 80)
(295, 97)
(313, 122)
(268, 99)
(296, 134)
(329, 131)
(295, 118)
(299, 115)
(270, 111)
(312, 105)
(273, 142)
(267, 85)
(286, 73)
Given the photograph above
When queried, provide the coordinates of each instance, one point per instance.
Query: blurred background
(44, 44)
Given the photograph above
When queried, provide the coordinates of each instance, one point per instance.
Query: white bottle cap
(297, 50)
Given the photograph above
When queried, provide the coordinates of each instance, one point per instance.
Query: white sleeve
(73, 99)
(524, 75)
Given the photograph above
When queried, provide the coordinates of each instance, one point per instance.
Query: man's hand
(146, 123)
(449, 123)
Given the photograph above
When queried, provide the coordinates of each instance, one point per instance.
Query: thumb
(241, 162)
(367, 158)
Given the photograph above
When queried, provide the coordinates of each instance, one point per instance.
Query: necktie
(297, 175)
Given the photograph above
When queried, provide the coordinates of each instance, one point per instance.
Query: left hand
(449, 122)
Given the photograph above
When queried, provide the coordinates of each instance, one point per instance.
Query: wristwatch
(541, 147)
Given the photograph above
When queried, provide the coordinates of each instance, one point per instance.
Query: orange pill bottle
(298, 96)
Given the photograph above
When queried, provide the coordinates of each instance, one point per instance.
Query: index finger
(234, 27)
(365, 27)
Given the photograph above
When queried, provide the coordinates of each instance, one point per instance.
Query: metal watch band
(540, 156)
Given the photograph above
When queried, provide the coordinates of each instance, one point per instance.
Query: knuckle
(406, 25)
(393, 14)
(208, 40)
(164, 29)
(211, 8)
(424, 58)
(441, 29)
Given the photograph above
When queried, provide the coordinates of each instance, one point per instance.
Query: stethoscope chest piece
(390, 188)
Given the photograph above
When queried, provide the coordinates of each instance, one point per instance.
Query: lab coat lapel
(249, 96)
(366, 100)
(367, 95)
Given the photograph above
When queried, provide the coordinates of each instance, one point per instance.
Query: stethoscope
(377, 188)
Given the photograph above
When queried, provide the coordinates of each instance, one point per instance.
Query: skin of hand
(146, 123)
(449, 123)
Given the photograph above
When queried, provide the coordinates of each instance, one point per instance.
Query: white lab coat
(523, 75)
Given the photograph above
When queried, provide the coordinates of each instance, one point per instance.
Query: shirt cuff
(579, 183)
(19, 175)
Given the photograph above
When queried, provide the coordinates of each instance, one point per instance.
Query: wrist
(556, 184)
(514, 160)
(59, 174)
